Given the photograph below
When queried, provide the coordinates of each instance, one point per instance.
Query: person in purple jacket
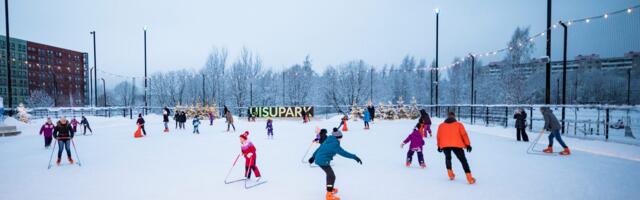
(269, 128)
(47, 130)
(415, 138)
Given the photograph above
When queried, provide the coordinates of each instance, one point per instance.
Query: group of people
(551, 124)
(63, 132)
(180, 117)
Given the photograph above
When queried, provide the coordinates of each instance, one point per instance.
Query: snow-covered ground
(180, 165)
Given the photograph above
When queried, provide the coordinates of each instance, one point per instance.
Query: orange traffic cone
(344, 127)
(138, 133)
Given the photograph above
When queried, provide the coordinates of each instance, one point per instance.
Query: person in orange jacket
(452, 137)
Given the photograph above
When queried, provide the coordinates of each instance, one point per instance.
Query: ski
(234, 181)
(254, 185)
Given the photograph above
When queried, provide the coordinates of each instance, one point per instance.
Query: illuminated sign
(281, 111)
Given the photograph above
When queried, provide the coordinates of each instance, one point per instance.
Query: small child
(366, 119)
(47, 131)
(415, 138)
(269, 128)
(74, 124)
(211, 117)
(249, 153)
(196, 123)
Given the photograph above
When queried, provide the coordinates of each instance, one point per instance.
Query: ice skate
(566, 152)
(470, 179)
(451, 174)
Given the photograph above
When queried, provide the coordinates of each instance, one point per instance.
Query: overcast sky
(282, 32)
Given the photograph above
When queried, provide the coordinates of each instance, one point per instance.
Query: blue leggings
(65, 144)
(556, 134)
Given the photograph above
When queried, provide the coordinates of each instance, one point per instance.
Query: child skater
(47, 131)
(196, 123)
(74, 124)
(415, 138)
(269, 128)
(249, 153)
(323, 156)
(366, 119)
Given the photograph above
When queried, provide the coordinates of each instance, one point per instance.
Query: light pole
(95, 69)
(104, 92)
(145, 70)
(564, 72)
(473, 65)
(437, 80)
(8, 58)
(203, 92)
(547, 98)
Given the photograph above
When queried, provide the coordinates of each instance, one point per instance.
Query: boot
(423, 165)
(566, 152)
(470, 179)
(58, 162)
(332, 195)
(70, 160)
(408, 164)
(549, 149)
(451, 174)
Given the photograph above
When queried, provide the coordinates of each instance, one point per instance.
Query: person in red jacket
(249, 153)
(452, 137)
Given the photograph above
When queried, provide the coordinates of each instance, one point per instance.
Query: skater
(343, 123)
(452, 137)
(47, 131)
(321, 136)
(249, 153)
(366, 119)
(337, 133)
(426, 123)
(552, 125)
(140, 123)
(372, 111)
(415, 138)
(304, 116)
(229, 117)
(85, 124)
(521, 118)
(269, 128)
(323, 156)
(176, 118)
(196, 123)
(211, 117)
(74, 124)
(165, 118)
(64, 134)
(183, 119)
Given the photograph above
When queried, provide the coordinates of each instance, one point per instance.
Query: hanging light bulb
(555, 26)
(606, 15)
(569, 23)
(588, 20)
(629, 10)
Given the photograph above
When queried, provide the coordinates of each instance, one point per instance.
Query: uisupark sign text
(281, 111)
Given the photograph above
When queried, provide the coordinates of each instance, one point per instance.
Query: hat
(245, 135)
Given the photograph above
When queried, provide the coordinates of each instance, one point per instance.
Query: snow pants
(520, 132)
(64, 144)
(459, 154)
(143, 131)
(410, 155)
(86, 126)
(556, 134)
(195, 129)
(250, 165)
(47, 141)
(210, 121)
(166, 125)
(331, 177)
(270, 132)
(366, 124)
(229, 125)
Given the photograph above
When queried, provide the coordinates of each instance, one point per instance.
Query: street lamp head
(92, 32)
(145, 27)
(437, 10)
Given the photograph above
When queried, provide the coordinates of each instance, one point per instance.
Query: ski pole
(52, 150)
(535, 142)
(230, 170)
(76, 151)
(307, 152)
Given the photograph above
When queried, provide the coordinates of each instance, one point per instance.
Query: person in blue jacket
(329, 147)
(367, 118)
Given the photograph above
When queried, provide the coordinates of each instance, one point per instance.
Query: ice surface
(180, 165)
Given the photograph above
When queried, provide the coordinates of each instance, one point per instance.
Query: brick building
(60, 73)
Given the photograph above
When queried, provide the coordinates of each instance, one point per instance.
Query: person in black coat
(165, 118)
(140, 123)
(63, 132)
(372, 112)
(521, 125)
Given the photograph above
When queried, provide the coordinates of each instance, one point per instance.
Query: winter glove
(402, 145)
(311, 160)
(468, 148)
(358, 160)
(439, 150)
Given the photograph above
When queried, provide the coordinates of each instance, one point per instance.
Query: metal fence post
(486, 115)
(606, 125)
(506, 116)
(471, 108)
(531, 118)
